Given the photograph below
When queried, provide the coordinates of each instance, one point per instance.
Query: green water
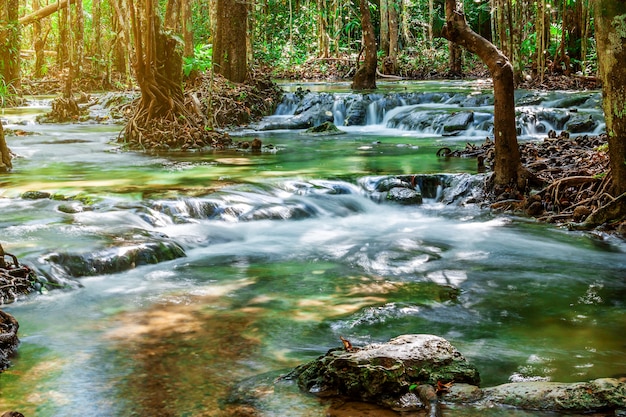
(292, 255)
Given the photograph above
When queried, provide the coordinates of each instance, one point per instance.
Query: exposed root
(572, 181)
(193, 122)
(15, 279)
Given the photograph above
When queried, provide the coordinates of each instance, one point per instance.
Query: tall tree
(508, 168)
(230, 55)
(187, 28)
(389, 34)
(323, 43)
(78, 41)
(158, 69)
(611, 40)
(9, 42)
(365, 77)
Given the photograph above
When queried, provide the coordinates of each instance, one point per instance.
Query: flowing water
(274, 255)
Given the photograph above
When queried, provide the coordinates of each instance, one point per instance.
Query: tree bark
(611, 40)
(389, 34)
(230, 57)
(365, 77)
(187, 28)
(63, 48)
(5, 154)
(507, 169)
(78, 23)
(384, 27)
(9, 43)
(322, 30)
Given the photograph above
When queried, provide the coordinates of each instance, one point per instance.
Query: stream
(186, 273)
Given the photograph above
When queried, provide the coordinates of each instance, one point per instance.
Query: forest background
(91, 40)
(161, 45)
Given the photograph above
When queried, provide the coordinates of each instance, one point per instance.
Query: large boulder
(385, 373)
(458, 121)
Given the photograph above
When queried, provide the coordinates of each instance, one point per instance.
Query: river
(281, 253)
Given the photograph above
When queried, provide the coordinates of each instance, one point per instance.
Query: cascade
(445, 114)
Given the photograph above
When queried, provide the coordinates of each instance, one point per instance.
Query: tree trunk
(122, 42)
(322, 30)
(389, 35)
(187, 28)
(5, 154)
(78, 23)
(384, 27)
(64, 38)
(507, 167)
(365, 77)
(9, 43)
(456, 60)
(541, 46)
(230, 56)
(611, 40)
(394, 34)
(39, 43)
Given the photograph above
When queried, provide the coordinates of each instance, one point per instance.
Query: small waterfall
(288, 105)
(428, 113)
(339, 111)
(372, 114)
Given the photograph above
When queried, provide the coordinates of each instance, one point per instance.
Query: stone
(386, 372)
(325, 129)
(458, 121)
(581, 124)
(597, 395)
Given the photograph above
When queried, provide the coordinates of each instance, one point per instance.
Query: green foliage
(200, 61)
(8, 94)
(603, 148)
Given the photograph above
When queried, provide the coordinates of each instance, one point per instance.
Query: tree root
(15, 279)
(209, 104)
(569, 176)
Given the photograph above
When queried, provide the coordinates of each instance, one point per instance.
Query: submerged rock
(385, 373)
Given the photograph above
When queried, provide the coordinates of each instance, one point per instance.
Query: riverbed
(282, 252)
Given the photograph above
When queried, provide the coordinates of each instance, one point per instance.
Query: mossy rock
(325, 129)
(380, 371)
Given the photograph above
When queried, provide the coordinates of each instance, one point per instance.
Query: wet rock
(458, 121)
(555, 118)
(35, 195)
(581, 123)
(116, 259)
(404, 196)
(597, 395)
(393, 189)
(325, 129)
(414, 120)
(356, 114)
(573, 100)
(384, 373)
(8, 338)
(477, 100)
